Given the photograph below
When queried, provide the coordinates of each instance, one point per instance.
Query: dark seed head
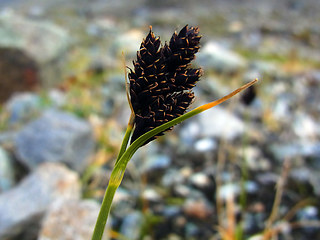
(161, 81)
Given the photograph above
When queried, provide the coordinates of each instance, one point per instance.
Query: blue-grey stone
(264, 67)
(22, 106)
(215, 56)
(18, 32)
(205, 145)
(156, 162)
(172, 177)
(6, 171)
(220, 123)
(131, 225)
(70, 219)
(55, 137)
(26, 203)
(298, 148)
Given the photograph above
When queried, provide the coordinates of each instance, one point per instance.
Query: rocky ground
(219, 175)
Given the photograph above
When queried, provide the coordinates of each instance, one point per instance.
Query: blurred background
(248, 169)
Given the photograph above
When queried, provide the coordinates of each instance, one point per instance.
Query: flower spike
(162, 81)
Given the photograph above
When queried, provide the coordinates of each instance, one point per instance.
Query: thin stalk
(126, 137)
(112, 186)
(114, 183)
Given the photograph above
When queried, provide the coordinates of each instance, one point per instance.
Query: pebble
(131, 225)
(6, 171)
(220, 123)
(31, 198)
(71, 219)
(18, 31)
(199, 208)
(215, 56)
(55, 137)
(205, 145)
(155, 163)
(200, 180)
(305, 127)
(172, 177)
(23, 106)
(151, 194)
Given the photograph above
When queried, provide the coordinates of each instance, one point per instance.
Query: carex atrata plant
(159, 93)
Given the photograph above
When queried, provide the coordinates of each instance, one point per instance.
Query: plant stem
(104, 212)
(112, 186)
(114, 183)
(126, 137)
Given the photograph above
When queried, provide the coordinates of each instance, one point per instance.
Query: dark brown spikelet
(161, 82)
(182, 48)
(165, 109)
(148, 74)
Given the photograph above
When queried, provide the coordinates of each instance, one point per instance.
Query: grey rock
(229, 190)
(308, 213)
(57, 98)
(234, 189)
(282, 151)
(215, 56)
(7, 138)
(43, 41)
(200, 180)
(172, 177)
(70, 219)
(305, 126)
(122, 195)
(171, 211)
(197, 208)
(19, 32)
(282, 109)
(267, 178)
(128, 42)
(315, 76)
(205, 145)
(150, 194)
(27, 202)
(131, 225)
(254, 158)
(55, 137)
(307, 175)
(189, 132)
(6, 171)
(213, 86)
(156, 162)
(214, 123)
(182, 190)
(23, 106)
(219, 122)
(264, 67)
(301, 174)
(192, 229)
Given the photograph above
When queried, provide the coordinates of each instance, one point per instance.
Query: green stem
(114, 183)
(126, 137)
(104, 213)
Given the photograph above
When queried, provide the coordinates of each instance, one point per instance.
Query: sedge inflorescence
(162, 79)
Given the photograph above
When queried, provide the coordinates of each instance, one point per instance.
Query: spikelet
(161, 82)
(182, 48)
